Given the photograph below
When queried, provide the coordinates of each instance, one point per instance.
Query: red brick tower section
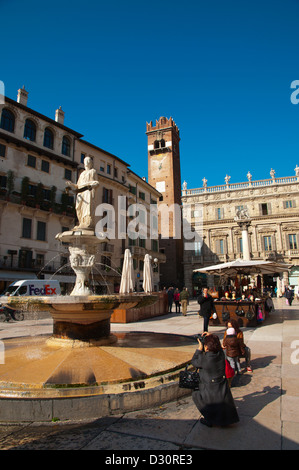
(164, 174)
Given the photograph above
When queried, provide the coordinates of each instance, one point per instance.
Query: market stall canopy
(240, 266)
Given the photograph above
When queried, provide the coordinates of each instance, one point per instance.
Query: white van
(33, 287)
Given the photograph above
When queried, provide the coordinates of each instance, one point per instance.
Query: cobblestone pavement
(267, 400)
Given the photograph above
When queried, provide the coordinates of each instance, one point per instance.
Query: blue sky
(221, 69)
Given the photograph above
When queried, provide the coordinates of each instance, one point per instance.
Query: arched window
(7, 120)
(48, 138)
(66, 146)
(158, 144)
(30, 130)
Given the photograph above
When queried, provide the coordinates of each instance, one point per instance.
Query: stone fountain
(83, 319)
(42, 376)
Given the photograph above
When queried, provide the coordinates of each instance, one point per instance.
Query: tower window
(159, 144)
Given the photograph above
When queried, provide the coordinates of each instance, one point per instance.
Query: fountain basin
(81, 320)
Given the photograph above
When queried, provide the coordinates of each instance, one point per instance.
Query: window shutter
(269, 209)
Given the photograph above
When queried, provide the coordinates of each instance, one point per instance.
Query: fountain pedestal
(83, 245)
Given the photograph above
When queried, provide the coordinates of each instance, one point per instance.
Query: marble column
(244, 224)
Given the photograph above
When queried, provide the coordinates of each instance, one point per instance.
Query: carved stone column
(244, 224)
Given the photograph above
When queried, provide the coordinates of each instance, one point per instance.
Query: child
(234, 348)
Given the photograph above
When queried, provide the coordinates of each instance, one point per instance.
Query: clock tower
(164, 174)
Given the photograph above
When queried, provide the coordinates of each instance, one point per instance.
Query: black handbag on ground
(189, 379)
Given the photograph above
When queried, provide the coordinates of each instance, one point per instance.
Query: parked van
(33, 287)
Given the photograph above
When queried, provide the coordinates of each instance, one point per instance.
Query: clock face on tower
(157, 162)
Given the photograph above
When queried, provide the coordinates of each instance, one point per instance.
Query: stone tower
(164, 174)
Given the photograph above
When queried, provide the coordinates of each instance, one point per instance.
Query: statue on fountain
(85, 190)
(82, 239)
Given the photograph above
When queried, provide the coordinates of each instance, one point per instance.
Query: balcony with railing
(238, 186)
(16, 263)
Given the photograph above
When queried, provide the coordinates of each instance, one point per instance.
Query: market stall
(249, 311)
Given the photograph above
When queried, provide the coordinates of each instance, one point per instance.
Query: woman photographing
(213, 398)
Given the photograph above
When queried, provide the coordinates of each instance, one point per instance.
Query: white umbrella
(127, 282)
(240, 266)
(147, 275)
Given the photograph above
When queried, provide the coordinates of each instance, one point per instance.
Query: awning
(16, 276)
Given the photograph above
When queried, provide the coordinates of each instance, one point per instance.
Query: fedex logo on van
(46, 290)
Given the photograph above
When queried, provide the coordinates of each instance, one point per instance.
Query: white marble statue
(85, 190)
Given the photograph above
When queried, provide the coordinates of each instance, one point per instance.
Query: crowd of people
(179, 298)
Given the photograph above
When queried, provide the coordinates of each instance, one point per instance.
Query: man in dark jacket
(289, 295)
(207, 307)
(170, 294)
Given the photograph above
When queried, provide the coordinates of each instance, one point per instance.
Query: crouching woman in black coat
(213, 398)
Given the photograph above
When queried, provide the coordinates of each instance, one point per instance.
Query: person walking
(289, 295)
(176, 298)
(170, 294)
(213, 397)
(207, 307)
(184, 298)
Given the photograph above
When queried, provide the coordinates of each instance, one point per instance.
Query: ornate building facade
(272, 205)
